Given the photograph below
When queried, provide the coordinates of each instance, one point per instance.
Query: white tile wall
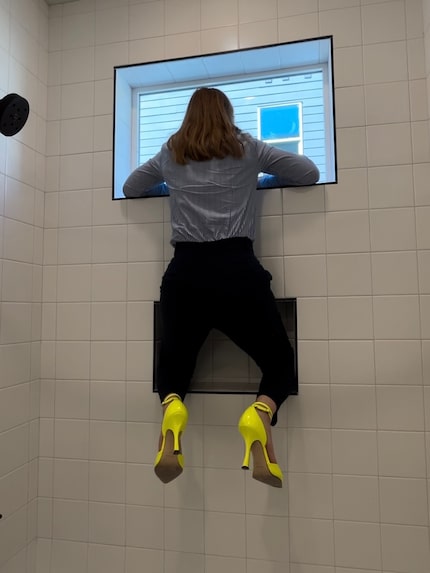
(355, 443)
(23, 66)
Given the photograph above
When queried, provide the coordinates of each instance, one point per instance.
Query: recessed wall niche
(222, 367)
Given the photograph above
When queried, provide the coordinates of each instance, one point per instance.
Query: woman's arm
(143, 179)
(289, 169)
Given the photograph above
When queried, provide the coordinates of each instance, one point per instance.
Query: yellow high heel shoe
(254, 434)
(169, 462)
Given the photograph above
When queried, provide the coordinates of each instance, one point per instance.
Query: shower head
(14, 111)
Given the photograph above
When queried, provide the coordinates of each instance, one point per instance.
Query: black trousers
(221, 285)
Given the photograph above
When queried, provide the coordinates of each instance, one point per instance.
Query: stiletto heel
(169, 462)
(254, 435)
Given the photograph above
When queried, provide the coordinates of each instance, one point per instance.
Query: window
(282, 94)
(281, 126)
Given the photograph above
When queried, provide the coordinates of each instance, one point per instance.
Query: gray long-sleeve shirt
(217, 199)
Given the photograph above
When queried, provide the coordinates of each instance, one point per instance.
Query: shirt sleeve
(289, 169)
(144, 178)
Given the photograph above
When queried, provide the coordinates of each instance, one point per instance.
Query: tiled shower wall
(23, 69)
(356, 441)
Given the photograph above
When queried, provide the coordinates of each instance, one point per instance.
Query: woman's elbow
(312, 176)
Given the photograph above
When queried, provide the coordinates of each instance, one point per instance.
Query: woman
(214, 279)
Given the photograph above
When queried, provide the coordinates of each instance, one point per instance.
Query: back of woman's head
(207, 130)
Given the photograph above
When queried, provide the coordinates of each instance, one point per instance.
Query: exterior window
(281, 126)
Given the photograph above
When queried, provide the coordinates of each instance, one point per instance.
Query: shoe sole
(168, 468)
(260, 471)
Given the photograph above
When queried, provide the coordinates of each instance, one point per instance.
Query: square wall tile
(109, 282)
(383, 22)
(350, 106)
(350, 538)
(400, 408)
(416, 58)
(396, 317)
(112, 25)
(389, 144)
(402, 454)
(70, 479)
(224, 13)
(385, 62)
(72, 399)
(70, 521)
(421, 174)
(107, 482)
(394, 273)
(257, 33)
(182, 16)
(349, 274)
(348, 231)
(351, 362)
(214, 563)
(270, 233)
(344, 24)
(219, 39)
(141, 487)
(68, 555)
(298, 27)
(353, 407)
(75, 172)
(355, 452)
(403, 501)
(107, 523)
(303, 200)
(356, 498)
(74, 245)
(398, 362)
(224, 534)
(109, 559)
(304, 234)
(351, 147)
(145, 242)
(392, 229)
(420, 141)
(423, 232)
(143, 280)
(350, 193)
(311, 408)
(311, 541)
(310, 495)
(108, 321)
(387, 103)
(309, 450)
(425, 316)
(107, 441)
(146, 20)
(405, 547)
(73, 321)
(305, 275)
(254, 11)
(74, 283)
(350, 318)
(107, 400)
(391, 186)
(312, 316)
(265, 536)
(71, 439)
(348, 66)
(72, 360)
(108, 360)
(313, 362)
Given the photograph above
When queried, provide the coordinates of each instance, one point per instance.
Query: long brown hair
(207, 130)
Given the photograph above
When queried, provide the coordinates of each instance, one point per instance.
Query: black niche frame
(245, 382)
